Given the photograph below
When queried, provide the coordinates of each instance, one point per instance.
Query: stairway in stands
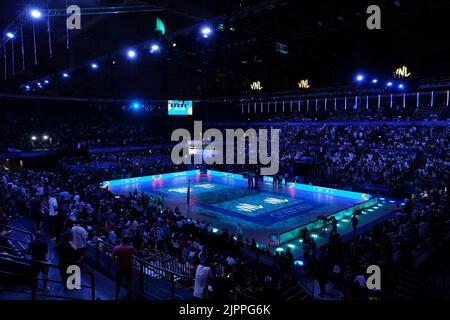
(156, 289)
(14, 241)
(407, 285)
(289, 290)
(15, 283)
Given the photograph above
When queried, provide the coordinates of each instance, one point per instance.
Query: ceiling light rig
(35, 15)
(206, 31)
(131, 54)
(155, 48)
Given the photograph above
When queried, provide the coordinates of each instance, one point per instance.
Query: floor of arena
(224, 200)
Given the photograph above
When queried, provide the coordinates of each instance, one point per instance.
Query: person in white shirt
(52, 206)
(203, 274)
(79, 238)
(52, 217)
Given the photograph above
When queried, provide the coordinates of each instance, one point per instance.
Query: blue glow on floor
(224, 200)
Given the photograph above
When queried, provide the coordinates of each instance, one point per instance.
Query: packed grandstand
(404, 160)
(94, 205)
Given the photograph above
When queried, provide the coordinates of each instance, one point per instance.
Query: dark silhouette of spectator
(222, 286)
(355, 223)
(322, 278)
(36, 212)
(66, 256)
(38, 250)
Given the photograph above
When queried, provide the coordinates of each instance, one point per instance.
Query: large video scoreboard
(180, 108)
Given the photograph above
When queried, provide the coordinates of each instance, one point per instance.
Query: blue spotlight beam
(206, 31)
(131, 54)
(35, 13)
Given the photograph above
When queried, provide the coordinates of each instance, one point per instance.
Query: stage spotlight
(27, 87)
(174, 44)
(65, 75)
(375, 81)
(389, 84)
(10, 35)
(39, 85)
(136, 105)
(46, 82)
(206, 32)
(131, 54)
(36, 14)
(34, 138)
(359, 77)
(45, 137)
(401, 86)
(154, 48)
(94, 66)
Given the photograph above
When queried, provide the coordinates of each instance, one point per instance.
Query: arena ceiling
(276, 42)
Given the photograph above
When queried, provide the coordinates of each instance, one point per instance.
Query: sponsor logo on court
(247, 207)
(275, 200)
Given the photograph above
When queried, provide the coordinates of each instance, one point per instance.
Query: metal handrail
(21, 242)
(144, 262)
(14, 239)
(307, 284)
(9, 249)
(30, 234)
(32, 262)
(39, 294)
(145, 270)
(48, 280)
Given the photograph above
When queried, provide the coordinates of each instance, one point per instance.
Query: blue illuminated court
(271, 214)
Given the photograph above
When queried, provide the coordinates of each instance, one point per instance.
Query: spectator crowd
(408, 160)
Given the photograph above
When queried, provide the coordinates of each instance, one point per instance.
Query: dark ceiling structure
(276, 42)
